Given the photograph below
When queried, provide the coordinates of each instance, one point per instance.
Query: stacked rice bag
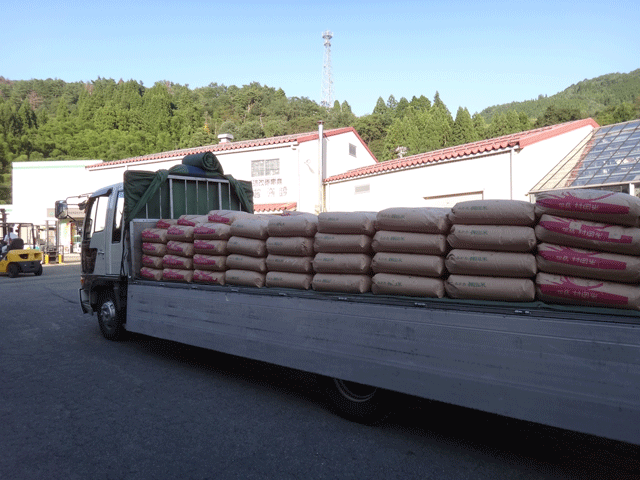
(247, 247)
(409, 246)
(492, 256)
(590, 250)
(290, 250)
(178, 262)
(154, 248)
(210, 246)
(342, 261)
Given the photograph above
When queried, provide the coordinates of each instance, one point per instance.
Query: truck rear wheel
(38, 271)
(357, 402)
(109, 318)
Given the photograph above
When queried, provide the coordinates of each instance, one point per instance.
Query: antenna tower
(327, 80)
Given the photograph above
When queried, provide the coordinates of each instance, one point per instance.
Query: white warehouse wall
(488, 175)
(445, 183)
(37, 186)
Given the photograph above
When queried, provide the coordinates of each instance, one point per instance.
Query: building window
(265, 168)
(362, 189)
(352, 150)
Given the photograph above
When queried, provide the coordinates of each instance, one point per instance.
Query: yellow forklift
(15, 256)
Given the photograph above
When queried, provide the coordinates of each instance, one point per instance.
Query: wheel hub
(108, 314)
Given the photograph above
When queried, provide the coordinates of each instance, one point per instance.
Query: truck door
(114, 244)
(94, 245)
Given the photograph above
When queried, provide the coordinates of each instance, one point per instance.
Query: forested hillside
(609, 99)
(109, 120)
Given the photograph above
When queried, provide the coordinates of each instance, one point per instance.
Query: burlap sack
(347, 222)
(407, 242)
(352, 263)
(408, 264)
(246, 278)
(207, 276)
(490, 288)
(245, 262)
(177, 275)
(498, 238)
(419, 220)
(393, 284)
(247, 246)
(581, 291)
(212, 231)
(575, 262)
(152, 261)
(341, 243)
(177, 262)
(250, 226)
(192, 220)
(303, 225)
(493, 264)
(494, 212)
(182, 249)
(225, 216)
(165, 223)
(180, 233)
(210, 247)
(294, 246)
(593, 205)
(301, 281)
(589, 235)
(210, 262)
(155, 249)
(332, 282)
(154, 235)
(151, 273)
(285, 263)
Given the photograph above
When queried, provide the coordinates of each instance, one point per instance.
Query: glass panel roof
(610, 155)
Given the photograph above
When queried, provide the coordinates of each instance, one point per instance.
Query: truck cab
(102, 248)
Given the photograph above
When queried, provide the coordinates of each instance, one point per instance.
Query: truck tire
(38, 271)
(12, 270)
(109, 318)
(357, 402)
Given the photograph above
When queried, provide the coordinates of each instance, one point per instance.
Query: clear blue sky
(475, 54)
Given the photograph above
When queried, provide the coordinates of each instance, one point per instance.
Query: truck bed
(574, 369)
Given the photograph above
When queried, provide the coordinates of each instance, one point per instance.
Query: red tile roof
(228, 146)
(275, 207)
(518, 140)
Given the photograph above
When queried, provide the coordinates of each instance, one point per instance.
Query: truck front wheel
(109, 318)
(357, 402)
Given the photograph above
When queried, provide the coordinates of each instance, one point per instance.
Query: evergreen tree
(401, 108)
(463, 130)
(381, 107)
(480, 126)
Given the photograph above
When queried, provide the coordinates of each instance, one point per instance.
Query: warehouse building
(286, 171)
(608, 158)
(506, 167)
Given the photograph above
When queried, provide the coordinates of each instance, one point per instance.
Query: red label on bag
(569, 202)
(567, 289)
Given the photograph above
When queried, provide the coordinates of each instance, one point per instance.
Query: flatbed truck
(567, 367)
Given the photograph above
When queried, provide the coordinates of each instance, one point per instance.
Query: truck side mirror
(61, 210)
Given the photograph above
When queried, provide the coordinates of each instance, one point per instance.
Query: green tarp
(141, 188)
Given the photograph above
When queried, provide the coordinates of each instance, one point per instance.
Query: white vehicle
(576, 369)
